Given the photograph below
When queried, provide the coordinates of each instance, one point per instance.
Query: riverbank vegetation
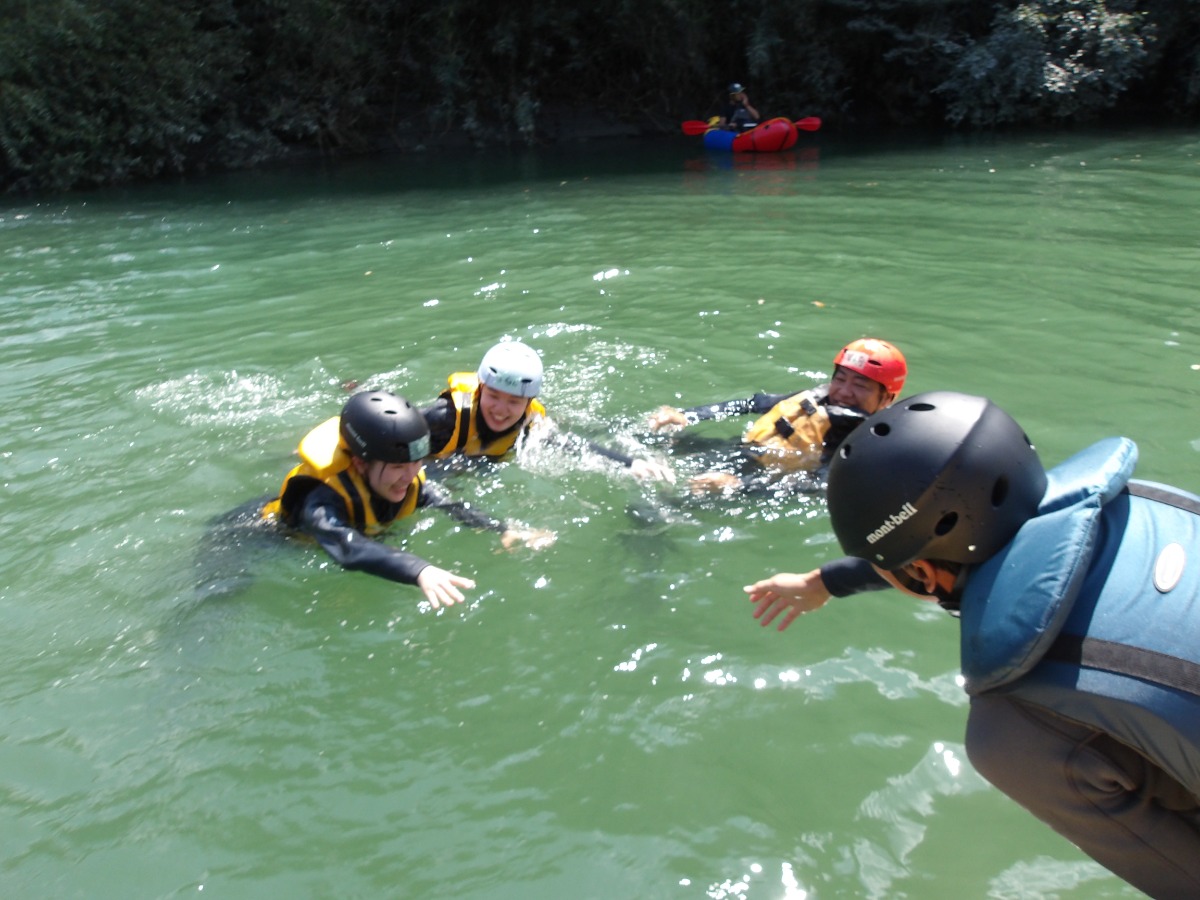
(96, 92)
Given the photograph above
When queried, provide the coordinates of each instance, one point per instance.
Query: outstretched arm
(640, 468)
(511, 534)
(789, 593)
(323, 516)
(794, 594)
(671, 418)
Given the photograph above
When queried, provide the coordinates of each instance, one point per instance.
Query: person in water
(1078, 592)
(362, 471)
(798, 432)
(481, 414)
(738, 114)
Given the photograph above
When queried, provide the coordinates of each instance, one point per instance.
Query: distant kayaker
(738, 114)
(796, 433)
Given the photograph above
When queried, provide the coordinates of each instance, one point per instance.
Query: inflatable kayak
(771, 135)
(768, 137)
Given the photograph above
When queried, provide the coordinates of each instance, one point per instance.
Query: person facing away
(481, 414)
(737, 114)
(798, 432)
(360, 472)
(1078, 592)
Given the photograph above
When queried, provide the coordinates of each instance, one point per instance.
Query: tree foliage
(103, 91)
(1060, 59)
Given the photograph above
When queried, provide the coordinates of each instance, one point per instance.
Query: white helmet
(512, 367)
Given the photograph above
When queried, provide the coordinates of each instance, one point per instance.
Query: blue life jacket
(1093, 609)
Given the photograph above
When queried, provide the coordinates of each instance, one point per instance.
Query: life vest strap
(464, 427)
(358, 510)
(1121, 659)
(1148, 665)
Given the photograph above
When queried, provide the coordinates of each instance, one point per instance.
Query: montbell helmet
(878, 360)
(512, 367)
(380, 426)
(941, 475)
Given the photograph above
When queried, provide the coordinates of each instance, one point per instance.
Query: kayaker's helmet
(877, 360)
(380, 426)
(512, 367)
(736, 88)
(940, 476)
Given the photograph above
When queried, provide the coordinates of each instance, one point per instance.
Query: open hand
(714, 483)
(787, 592)
(650, 470)
(667, 417)
(533, 538)
(442, 588)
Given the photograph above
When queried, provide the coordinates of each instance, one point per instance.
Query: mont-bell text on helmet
(907, 511)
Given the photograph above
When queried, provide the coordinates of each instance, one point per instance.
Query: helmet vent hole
(946, 524)
(844, 451)
(882, 429)
(999, 492)
(921, 407)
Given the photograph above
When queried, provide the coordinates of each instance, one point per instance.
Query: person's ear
(925, 573)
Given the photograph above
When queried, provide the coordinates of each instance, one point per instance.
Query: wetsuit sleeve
(848, 575)
(571, 441)
(441, 416)
(757, 480)
(756, 405)
(323, 515)
(434, 497)
(609, 453)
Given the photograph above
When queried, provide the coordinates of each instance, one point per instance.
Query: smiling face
(501, 410)
(858, 391)
(389, 480)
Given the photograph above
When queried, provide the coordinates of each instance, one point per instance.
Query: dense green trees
(104, 91)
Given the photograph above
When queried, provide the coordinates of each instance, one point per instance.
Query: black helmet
(941, 476)
(736, 88)
(380, 426)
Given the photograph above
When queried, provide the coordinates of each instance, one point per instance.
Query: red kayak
(771, 135)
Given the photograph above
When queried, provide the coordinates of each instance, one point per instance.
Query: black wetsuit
(842, 577)
(755, 478)
(324, 516)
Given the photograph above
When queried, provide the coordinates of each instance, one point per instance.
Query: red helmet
(877, 360)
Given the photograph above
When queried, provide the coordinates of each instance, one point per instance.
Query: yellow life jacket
(464, 394)
(791, 436)
(325, 459)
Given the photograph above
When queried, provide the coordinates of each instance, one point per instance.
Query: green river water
(604, 718)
